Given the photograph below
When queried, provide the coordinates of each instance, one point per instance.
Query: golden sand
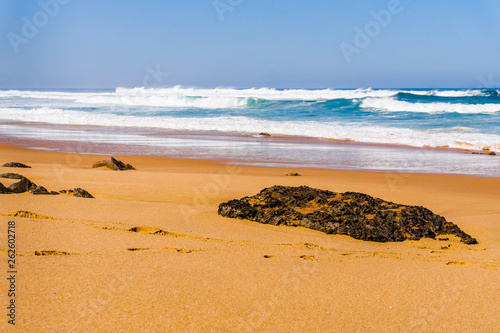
(151, 254)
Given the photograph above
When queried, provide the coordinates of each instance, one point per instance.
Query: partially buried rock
(4, 190)
(113, 164)
(24, 185)
(354, 214)
(264, 134)
(292, 174)
(40, 190)
(11, 175)
(15, 165)
(80, 192)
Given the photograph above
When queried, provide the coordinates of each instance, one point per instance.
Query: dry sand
(207, 273)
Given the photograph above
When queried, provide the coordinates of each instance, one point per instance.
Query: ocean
(368, 129)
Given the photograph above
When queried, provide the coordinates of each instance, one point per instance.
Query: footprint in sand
(456, 263)
(50, 253)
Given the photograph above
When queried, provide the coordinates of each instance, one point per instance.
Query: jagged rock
(15, 165)
(39, 190)
(11, 175)
(80, 192)
(113, 164)
(4, 190)
(354, 214)
(292, 174)
(24, 185)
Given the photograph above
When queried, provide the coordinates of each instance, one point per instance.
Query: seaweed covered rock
(353, 214)
(113, 164)
(15, 165)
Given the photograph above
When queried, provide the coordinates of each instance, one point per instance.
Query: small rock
(292, 174)
(39, 190)
(62, 191)
(80, 192)
(11, 176)
(264, 134)
(4, 190)
(492, 153)
(15, 165)
(24, 185)
(113, 164)
(54, 193)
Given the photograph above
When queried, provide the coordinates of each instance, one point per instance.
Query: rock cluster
(25, 185)
(354, 214)
(113, 164)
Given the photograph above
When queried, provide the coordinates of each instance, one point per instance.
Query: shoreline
(292, 152)
(150, 251)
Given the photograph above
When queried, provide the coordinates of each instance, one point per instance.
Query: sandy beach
(150, 253)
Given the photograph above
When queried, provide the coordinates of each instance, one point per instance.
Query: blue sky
(257, 43)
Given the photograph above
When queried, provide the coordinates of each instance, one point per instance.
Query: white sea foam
(195, 97)
(393, 105)
(447, 93)
(240, 124)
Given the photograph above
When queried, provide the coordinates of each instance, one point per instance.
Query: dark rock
(62, 191)
(39, 190)
(15, 165)
(113, 164)
(491, 153)
(354, 214)
(80, 192)
(264, 134)
(24, 185)
(11, 176)
(54, 193)
(293, 174)
(4, 190)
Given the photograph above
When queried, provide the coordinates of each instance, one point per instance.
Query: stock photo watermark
(223, 6)
(156, 75)
(372, 29)
(11, 272)
(31, 27)
(487, 82)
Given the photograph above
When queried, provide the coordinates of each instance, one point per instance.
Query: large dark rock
(15, 165)
(354, 214)
(24, 185)
(80, 192)
(11, 175)
(113, 164)
(4, 190)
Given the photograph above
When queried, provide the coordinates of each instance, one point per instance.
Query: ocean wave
(185, 97)
(246, 125)
(393, 105)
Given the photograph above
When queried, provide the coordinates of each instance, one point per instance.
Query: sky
(92, 44)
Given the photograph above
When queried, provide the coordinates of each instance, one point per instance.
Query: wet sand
(150, 253)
